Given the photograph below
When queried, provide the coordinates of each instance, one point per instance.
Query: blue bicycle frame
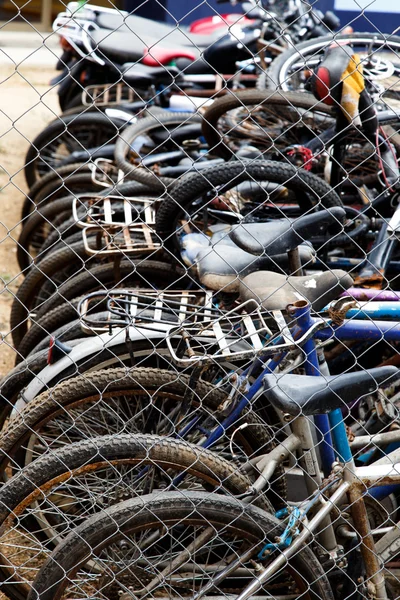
(326, 425)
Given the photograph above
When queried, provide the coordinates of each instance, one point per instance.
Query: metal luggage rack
(109, 94)
(133, 240)
(113, 211)
(105, 173)
(238, 334)
(124, 307)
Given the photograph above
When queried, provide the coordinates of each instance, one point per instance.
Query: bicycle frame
(355, 483)
(355, 329)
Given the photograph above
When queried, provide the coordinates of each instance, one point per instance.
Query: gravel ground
(26, 106)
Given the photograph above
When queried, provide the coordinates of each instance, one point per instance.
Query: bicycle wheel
(379, 55)
(175, 524)
(273, 122)
(166, 124)
(60, 490)
(151, 353)
(38, 227)
(269, 121)
(66, 135)
(388, 550)
(147, 273)
(137, 400)
(42, 328)
(215, 196)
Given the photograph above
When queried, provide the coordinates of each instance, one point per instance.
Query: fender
(88, 348)
(124, 116)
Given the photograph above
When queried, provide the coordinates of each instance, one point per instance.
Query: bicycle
(297, 397)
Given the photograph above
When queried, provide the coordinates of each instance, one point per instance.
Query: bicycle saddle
(306, 395)
(275, 291)
(222, 267)
(221, 264)
(277, 237)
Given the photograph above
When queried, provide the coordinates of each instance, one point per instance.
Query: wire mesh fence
(200, 306)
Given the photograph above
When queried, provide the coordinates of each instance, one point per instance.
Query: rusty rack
(108, 94)
(246, 332)
(135, 240)
(124, 307)
(105, 173)
(234, 335)
(113, 211)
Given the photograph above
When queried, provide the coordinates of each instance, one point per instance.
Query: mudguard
(88, 348)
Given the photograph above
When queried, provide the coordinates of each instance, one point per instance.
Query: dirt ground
(26, 105)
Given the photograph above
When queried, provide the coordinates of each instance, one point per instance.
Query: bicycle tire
(150, 353)
(143, 127)
(274, 78)
(108, 453)
(226, 515)
(35, 221)
(222, 105)
(103, 277)
(84, 392)
(42, 328)
(25, 297)
(108, 128)
(198, 184)
(61, 175)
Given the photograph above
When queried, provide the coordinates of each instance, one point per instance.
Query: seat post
(295, 267)
(301, 311)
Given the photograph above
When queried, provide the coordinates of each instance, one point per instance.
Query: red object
(50, 351)
(154, 57)
(210, 24)
(322, 86)
(64, 43)
(305, 155)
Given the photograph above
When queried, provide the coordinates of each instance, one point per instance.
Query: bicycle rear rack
(113, 211)
(238, 334)
(109, 94)
(124, 307)
(137, 240)
(234, 335)
(105, 173)
(113, 224)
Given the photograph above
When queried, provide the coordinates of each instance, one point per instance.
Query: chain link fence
(200, 305)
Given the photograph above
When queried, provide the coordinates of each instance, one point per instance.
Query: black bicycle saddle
(306, 395)
(279, 236)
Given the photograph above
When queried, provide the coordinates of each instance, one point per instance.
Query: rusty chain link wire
(200, 306)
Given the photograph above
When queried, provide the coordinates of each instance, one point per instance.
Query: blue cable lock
(291, 531)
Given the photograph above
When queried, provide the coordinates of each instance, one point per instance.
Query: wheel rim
(379, 67)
